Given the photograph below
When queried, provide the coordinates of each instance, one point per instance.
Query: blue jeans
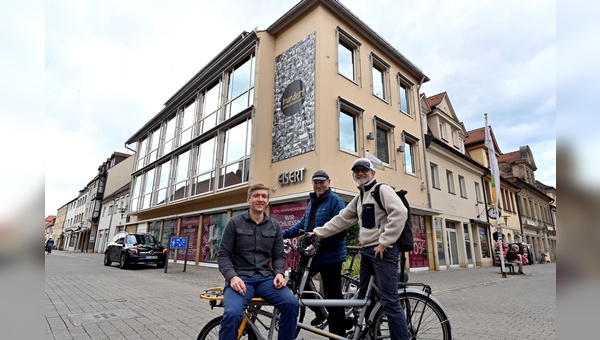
(386, 280)
(258, 285)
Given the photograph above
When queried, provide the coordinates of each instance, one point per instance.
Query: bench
(509, 266)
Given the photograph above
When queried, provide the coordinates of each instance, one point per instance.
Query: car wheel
(107, 261)
(122, 262)
(160, 265)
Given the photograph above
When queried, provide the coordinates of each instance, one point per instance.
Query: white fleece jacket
(388, 227)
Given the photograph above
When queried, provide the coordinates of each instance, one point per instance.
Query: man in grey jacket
(252, 260)
(378, 234)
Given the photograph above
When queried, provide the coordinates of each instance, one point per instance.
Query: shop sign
(294, 176)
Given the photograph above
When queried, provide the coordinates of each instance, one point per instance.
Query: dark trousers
(332, 289)
(386, 280)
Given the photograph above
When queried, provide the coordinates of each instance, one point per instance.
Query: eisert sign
(290, 177)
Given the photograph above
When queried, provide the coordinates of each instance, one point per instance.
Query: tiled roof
(475, 136)
(510, 157)
(435, 100)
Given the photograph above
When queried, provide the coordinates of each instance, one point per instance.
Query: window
(443, 131)
(348, 48)
(383, 143)
(162, 183)
(204, 172)
(478, 193)
(348, 128)
(154, 143)
(241, 87)
(404, 87)
(454, 136)
(147, 189)
(409, 157)
(187, 123)
(141, 153)
(236, 155)
(435, 176)
(135, 193)
(169, 136)
(410, 153)
(180, 176)
(379, 72)
(210, 107)
(450, 180)
(462, 186)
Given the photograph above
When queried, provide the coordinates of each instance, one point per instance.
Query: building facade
(316, 90)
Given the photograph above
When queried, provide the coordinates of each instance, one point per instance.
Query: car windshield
(141, 239)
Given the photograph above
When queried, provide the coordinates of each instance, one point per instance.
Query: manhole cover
(110, 315)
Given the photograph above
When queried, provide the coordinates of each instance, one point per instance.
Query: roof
(510, 157)
(477, 136)
(435, 100)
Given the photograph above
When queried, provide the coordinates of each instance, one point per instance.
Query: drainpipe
(128, 148)
(423, 132)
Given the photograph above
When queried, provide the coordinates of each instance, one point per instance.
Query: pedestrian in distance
(513, 256)
(324, 205)
(379, 231)
(250, 242)
(49, 245)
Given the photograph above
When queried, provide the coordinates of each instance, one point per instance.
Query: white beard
(363, 181)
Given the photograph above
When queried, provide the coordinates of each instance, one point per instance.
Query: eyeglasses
(319, 182)
(360, 169)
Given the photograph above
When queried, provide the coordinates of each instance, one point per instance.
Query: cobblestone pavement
(86, 300)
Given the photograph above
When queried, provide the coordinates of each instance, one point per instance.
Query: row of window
(197, 169)
(435, 183)
(349, 56)
(350, 117)
(226, 96)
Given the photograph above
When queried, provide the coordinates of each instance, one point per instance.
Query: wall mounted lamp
(371, 136)
(400, 148)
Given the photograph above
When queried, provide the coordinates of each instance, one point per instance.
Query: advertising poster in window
(418, 256)
(294, 115)
(212, 230)
(484, 241)
(169, 228)
(189, 227)
(287, 215)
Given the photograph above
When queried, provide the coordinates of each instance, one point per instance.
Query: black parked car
(129, 248)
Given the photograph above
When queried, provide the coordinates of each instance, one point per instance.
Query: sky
(111, 65)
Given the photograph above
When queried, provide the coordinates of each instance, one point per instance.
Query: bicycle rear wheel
(211, 331)
(425, 318)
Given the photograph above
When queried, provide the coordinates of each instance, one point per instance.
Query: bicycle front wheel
(425, 319)
(211, 331)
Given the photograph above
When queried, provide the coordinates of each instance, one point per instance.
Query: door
(468, 243)
(452, 244)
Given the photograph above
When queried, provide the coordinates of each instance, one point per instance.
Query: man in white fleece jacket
(378, 234)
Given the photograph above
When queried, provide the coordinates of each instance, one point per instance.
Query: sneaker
(318, 320)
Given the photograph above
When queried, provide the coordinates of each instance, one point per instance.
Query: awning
(418, 210)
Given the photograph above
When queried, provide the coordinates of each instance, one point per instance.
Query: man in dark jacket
(324, 205)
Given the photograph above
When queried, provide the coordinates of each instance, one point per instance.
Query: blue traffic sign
(178, 242)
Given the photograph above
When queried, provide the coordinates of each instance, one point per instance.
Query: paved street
(86, 300)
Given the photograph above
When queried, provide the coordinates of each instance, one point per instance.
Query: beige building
(116, 195)
(316, 90)
(61, 216)
(535, 205)
(462, 231)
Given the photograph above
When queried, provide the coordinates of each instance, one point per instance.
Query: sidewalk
(207, 275)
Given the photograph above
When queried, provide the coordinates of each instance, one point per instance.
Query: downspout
(423, 132)
(519, 214)
(126, 147)
(436, 264)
